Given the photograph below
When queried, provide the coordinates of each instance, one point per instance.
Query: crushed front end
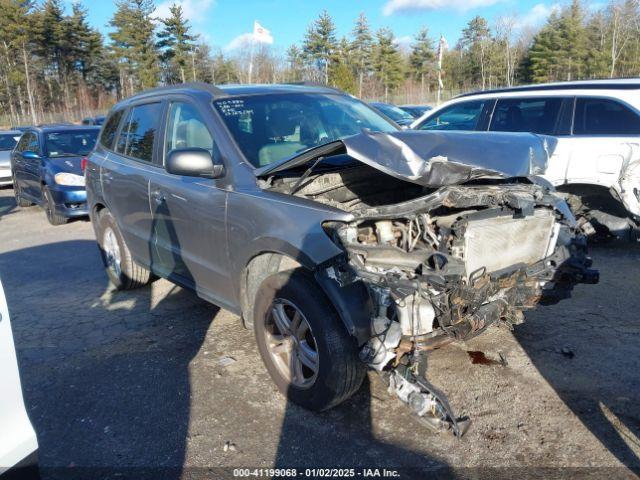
(446, 266)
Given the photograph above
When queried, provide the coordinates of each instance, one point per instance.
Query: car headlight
(69, 179)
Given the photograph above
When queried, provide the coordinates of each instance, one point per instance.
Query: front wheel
(50, 209)
(307, 350)
(123, 271)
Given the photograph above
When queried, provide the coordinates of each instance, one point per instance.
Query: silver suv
(345, 243)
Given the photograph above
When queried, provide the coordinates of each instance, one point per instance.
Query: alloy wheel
(112, 251)
(291, 344)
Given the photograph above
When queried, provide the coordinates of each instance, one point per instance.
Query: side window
(139, 131)
(537, 115)
(187, 129)
(599, 116)
(462, 116)
(32, 143)
(23, 142)
(110, 129)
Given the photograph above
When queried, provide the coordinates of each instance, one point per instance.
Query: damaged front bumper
(447, 266)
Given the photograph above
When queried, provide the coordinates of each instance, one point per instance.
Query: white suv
(596, 160)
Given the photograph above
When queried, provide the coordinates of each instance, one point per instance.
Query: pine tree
(361, 48)
(295, 64)
(133, 44)
(573, 42)
(341, 73)
(422, 57)
(387, 61)
(475, 42)
(320, 44)
(176, 44)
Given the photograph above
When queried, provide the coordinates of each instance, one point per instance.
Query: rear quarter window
(601, 116)
(110, 129)
(139, 131)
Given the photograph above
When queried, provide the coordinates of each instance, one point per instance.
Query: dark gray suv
(345, 243)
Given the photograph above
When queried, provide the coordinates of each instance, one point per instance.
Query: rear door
(606, 133)
(126, 172)
(17, 438)
(540, 115)
(188, 212)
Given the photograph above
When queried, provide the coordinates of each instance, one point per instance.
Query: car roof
(230, 90)
(62, 128)
(10, 132)
(613, 84)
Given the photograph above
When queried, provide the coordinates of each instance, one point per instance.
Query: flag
(261, 34)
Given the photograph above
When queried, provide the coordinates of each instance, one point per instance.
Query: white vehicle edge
(18, 442)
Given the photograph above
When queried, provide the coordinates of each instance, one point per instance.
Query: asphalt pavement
(157, 383)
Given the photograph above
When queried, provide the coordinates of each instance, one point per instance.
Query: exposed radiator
(497, 243)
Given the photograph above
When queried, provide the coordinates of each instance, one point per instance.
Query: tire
(17, 192)
(50, 209)
(123, 272)
(339, 372)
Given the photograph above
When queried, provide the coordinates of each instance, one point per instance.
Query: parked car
(396, 114)
(18, 442)
(99, 120)
(596, 162)
(416, 111)
(8, 141)
(47, 165)
(342, 241)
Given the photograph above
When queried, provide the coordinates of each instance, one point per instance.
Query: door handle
(158, 197)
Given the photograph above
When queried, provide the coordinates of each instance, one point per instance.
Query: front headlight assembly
(69, 179)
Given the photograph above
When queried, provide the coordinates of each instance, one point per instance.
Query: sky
(221, 23)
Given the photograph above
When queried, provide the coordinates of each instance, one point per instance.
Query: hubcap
(111, 251)
(291, 344)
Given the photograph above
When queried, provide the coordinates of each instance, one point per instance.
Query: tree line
(54, 65)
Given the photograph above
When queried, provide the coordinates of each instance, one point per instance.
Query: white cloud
(193, 10)
(537, 15)
(395, 6)
(244, 41)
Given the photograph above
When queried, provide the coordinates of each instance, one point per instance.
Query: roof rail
(207, 87)
(307, 83)
(582, 85)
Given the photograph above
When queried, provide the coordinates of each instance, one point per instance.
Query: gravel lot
(139, 382)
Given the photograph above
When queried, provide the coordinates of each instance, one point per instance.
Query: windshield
(8, 141)
(269, 128)
(75, 143)
(394, 113)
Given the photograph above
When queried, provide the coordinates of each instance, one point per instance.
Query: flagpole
(253, 42)
(440, 49)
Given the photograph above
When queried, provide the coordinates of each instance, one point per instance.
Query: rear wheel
(50, 209)
(17, 192)
(124, 273)
(307, 350)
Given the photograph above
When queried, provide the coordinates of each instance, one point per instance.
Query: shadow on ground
(105, 373)
(598, 377)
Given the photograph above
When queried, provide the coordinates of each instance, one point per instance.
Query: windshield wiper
(305, 175)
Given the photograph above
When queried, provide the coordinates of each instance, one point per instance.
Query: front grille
(501, 242)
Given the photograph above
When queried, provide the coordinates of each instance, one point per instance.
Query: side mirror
(28, 155)
(193, 162)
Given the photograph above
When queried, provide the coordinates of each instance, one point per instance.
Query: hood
(435, 159)
(66, 164)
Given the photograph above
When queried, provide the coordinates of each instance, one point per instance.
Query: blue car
(48, 169)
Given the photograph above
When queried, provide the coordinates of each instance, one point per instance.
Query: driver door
(188, 213)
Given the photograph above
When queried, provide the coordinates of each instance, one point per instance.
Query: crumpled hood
(435, 159)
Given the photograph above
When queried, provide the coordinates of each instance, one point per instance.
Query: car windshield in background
(70, 143)
(394, 113)
(8, 141)
(270, 128)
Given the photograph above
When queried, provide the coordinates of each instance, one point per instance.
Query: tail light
(83, 164)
